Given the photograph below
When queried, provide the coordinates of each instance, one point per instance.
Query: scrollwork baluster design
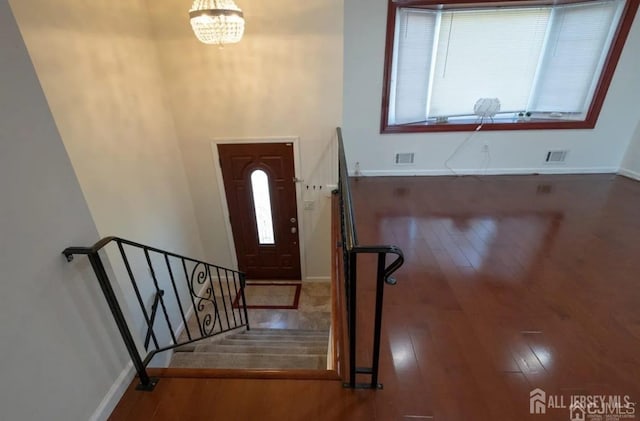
(199, 284)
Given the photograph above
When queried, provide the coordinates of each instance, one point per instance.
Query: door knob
(294, 230)
(293, 220)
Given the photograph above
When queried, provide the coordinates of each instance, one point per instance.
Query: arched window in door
(262, 206)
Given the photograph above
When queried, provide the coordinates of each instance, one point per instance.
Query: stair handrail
(209, 324)
(351, 248)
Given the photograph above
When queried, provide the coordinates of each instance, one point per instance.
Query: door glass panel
(262, 206)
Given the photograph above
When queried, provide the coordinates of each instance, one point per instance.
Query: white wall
(59, 349)
(631, 163)
(597, 150)
(283, 79)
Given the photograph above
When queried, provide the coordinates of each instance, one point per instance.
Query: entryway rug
(271, 295)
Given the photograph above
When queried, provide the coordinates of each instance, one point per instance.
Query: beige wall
(60, 353)
(283, 79)
(98, 66)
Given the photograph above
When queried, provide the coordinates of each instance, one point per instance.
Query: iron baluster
(154, 309)
(193, 298)
(137, 292)
(378, 319)
(214, 301)
(199, 274)
(202, 277)
(146, 382)
(226, 276)
(243, 283)
(352, 277)
(175, 290)
(224, 302)
(236, 299)
(155, 283)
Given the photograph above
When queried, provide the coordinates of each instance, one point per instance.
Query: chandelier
(217, 21)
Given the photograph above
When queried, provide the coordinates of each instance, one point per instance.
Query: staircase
(275, 349)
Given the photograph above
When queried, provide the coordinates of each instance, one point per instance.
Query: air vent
(544, 189)
(554, 157)
(405, 158)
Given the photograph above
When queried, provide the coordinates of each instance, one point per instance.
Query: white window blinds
(540, 59)
(487, 54)
(414, 46)
(578, 38)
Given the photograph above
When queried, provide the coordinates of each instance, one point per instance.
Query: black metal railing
(154, 311)
(195, 299)
(351, 249)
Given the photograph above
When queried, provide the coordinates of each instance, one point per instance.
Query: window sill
(471, 125)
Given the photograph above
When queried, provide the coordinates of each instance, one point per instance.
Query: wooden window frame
(606, 76)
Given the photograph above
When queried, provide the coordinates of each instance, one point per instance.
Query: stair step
(287, 338)
(248, 361)
(257, 349)
(186, 348)
(292, 332)
(273, 343)
(304, 338)
(259, 334)
(210, 340)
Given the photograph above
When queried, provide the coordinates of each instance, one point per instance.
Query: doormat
(274, 296)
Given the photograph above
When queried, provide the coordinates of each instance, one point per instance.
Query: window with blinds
(540, 62)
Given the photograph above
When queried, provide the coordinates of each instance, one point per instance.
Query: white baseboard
(114, 394)
(629, 173)
(490, 171)
(317, 279)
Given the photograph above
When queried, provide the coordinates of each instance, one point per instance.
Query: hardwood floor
(510, 283)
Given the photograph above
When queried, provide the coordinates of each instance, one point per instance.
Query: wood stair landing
(274, 349)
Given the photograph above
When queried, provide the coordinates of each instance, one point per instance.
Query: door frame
(295, 140)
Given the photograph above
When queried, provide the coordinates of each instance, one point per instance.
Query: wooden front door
(259, 182)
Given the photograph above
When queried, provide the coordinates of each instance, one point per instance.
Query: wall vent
(554, 157)
(405, 158)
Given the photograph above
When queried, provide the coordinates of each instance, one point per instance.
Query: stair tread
(251, 355)
(280, 343)
(256, 349)
(294, 337)
(278, 338)
(248, 361)
(293, 331)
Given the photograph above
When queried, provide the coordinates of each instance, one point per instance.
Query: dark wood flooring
(511, 283)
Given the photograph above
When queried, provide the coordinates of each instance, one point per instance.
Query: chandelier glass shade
(217, 21)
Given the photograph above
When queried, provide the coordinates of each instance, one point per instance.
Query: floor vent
(544, 189)
(405, 158)
(556, 156)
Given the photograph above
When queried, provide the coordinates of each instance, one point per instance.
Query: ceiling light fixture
(217, 21)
